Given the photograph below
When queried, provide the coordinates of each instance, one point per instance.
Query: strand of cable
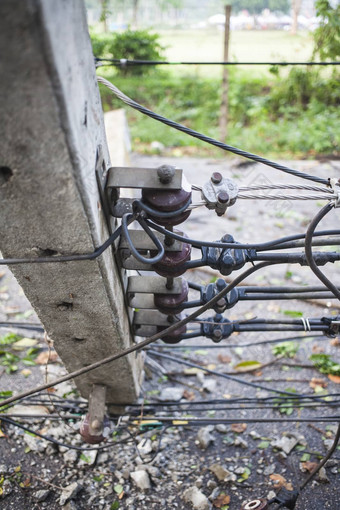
(254, 157)
(220, 374)
(125, 61)
(285, 186)
(144, 343)
(195, 242)
(323, 278)
(280, 196)
(58, 443)
(233, 346)
(218, 244)
(65, 258)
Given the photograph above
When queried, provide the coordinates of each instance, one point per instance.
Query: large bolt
(216, 178)
(166, 173)
(223, 197)
(217, 334)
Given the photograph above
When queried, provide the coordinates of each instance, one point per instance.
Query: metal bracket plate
(153, 285)
(141, 178)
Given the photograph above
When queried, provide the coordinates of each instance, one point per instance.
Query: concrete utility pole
(224, 113)
(51, 129)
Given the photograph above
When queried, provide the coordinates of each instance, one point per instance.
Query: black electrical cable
(58, 443)
(124, 62)
(324, 460)
(232, 346)
(309, 250)
(218, 244)
(220, 374)
(139, 205)
(64, 258)
(22, 325)
(128, 218)
(142, 344)
(207, 139)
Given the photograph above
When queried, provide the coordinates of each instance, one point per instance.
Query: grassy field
(261, 45)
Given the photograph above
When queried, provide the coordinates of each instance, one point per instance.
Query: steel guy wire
(126, 62)
(259, 159)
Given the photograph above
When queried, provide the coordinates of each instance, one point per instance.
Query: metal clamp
(219, 193)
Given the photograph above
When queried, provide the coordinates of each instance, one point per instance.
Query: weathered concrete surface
(51, 127)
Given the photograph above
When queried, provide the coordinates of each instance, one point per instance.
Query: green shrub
(130, 45)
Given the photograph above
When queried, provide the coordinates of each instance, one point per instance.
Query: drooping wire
(259, 159)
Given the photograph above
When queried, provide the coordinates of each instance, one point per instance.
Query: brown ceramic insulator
(173, 337)
(167, 201)
(256, 504)
(172, 262)
(171, 303)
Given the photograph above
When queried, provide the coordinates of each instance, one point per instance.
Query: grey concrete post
(50, 130)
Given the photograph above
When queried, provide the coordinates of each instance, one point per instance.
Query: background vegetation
(272, 111)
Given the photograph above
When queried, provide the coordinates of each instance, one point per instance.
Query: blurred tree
(104, 13)
(327, 35)
(296, 6)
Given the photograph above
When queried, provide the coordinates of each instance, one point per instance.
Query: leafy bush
(130, 45)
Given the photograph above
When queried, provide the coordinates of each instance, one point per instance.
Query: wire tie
(306, 324)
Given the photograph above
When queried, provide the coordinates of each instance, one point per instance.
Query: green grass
(252, 45)
(258, 121)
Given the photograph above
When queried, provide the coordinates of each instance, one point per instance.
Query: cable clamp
(306, 324)
(336, 189)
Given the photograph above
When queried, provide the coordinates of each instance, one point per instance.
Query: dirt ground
(183, 466)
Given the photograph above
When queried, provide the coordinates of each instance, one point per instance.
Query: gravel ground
(186, 466)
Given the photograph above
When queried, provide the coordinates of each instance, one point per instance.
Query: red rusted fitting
(172, 262)
(167, 201)
(174, 336)
(171, 303)
(256, 504)
(85, 430)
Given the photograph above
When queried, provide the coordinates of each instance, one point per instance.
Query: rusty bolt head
(216, 178)
(256, 504)
(223, 197)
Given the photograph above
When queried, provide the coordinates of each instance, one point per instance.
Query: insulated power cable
(127, 62)
(254, 157)
(142, 344)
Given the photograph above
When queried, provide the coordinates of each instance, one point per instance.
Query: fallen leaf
(316, 349)
(238, 427)
(189, 395)
(334, 378)
(22, 344)
(2, 434)
(280, 481)
(258, 373)
(26, 372)
(221, 500)
(309, 466)
(223, 358)
(43, 357)
(318, 381)
(335, 342)
(51, 390)
(247, 365)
